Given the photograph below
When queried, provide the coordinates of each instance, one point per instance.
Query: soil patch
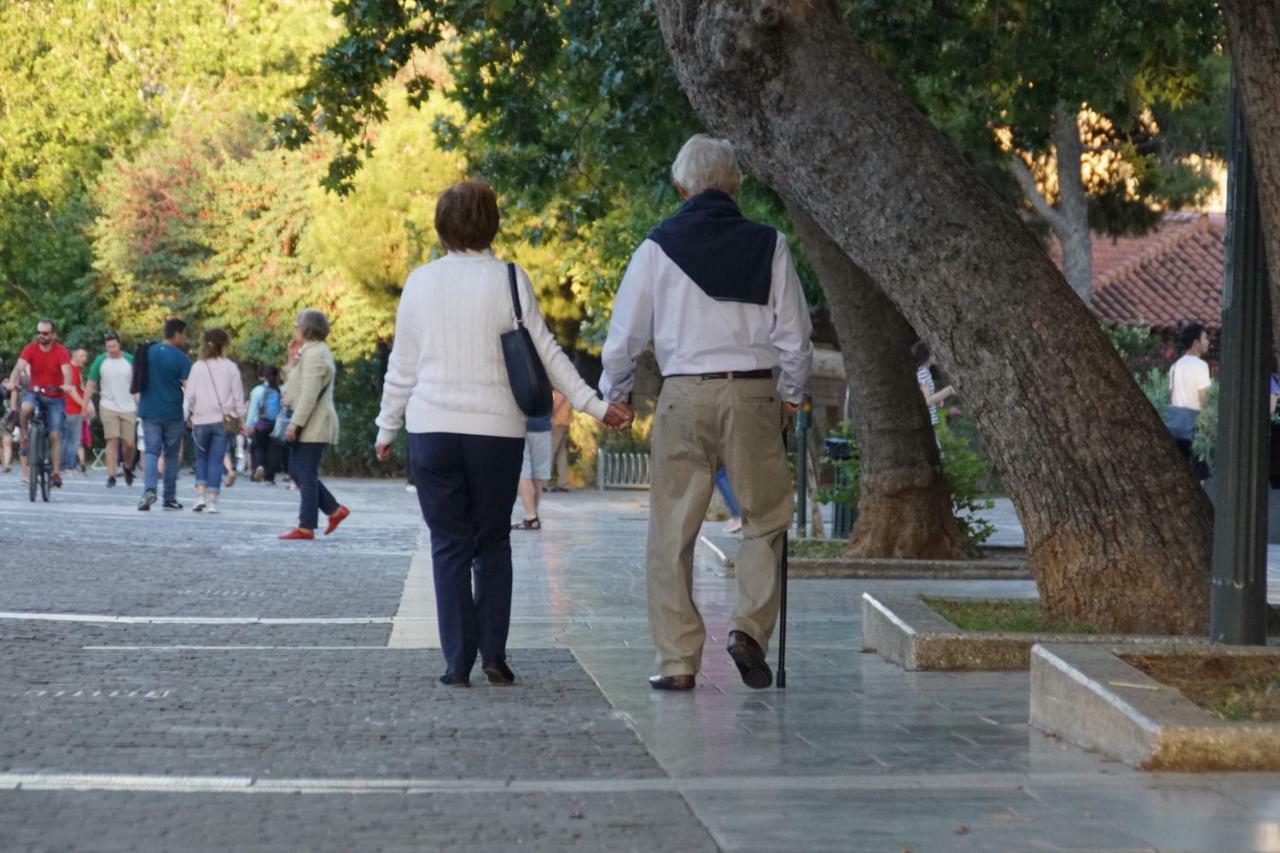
(1010, 615)
(1234, 688)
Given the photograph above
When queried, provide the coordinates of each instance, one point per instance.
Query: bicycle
(39, 463)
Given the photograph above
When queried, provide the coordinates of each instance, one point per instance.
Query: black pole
(1239, 598)
(782, 634)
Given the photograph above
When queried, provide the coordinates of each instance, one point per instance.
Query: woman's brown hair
(214, 344)
(467, 216)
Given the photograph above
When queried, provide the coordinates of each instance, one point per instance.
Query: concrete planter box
(1088, 696)
(906, 631)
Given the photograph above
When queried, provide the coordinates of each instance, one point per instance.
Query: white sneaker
(734, 526)
(212, 507)
(200, 505)
(410, 487)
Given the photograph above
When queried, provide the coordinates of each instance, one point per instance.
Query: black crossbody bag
(529, 383)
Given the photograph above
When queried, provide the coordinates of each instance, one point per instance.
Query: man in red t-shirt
(50, 367)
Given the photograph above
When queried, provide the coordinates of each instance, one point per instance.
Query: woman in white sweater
(214, 389)
(446, 377)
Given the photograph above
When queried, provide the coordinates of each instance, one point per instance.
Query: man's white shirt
(693, 333)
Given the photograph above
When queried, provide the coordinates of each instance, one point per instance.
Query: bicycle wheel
(35, 458)
(45, 468)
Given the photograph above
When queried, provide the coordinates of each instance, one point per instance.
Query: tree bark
(1073, 205)
(904, 502)
(1253, 27)
(1069, 221)
(1117, 530)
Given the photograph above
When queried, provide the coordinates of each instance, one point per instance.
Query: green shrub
(1205, 442)
(965, 470)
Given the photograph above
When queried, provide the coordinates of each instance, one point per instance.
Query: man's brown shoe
(671, 682)
(749, 657)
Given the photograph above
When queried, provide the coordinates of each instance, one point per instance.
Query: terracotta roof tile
(1163, 279)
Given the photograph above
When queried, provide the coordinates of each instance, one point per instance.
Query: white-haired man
(719, 297)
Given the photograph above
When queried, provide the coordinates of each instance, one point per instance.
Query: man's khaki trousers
(699, 425)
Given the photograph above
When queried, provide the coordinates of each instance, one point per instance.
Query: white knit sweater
(446, 372)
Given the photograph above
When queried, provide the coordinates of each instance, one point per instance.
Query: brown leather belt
(728, 374)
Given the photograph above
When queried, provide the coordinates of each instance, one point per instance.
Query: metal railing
(622, 470)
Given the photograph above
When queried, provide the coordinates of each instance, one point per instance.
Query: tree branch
(1027, 182)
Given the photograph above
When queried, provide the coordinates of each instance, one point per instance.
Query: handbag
(285, 416)
(230, 423)
(525, 371)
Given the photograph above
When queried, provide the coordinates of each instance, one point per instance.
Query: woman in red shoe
(313, 422)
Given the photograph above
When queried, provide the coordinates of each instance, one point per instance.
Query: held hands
(619, 416)
(791, 408)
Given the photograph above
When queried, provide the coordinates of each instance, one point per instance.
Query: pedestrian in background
(535, 471)
(466, 432)
(313, 423)
(215, 406)
(924, 378)
(160, 380)
(1189, 383)
(264, 406)
(79, 409)
(561, 420)
(117, 410)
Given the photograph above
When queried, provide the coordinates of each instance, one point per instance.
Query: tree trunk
(904, 504)
(1073, 205)
(1254, 30)
(1117, 530)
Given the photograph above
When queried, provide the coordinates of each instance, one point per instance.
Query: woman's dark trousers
(466, 486)
(265, 452)
(304, 467)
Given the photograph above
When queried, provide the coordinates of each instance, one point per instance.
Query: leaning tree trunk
(904, 502)
(1254, 29)
(1117, 530)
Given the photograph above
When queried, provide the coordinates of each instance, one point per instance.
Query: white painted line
(714, 549)
(888, 614)
(414, 626)
(106, 619)
(425, 621)
(409, 786)
(230, 648)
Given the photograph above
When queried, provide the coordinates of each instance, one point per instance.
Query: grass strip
(816, 547)
(1230, 687)
(1010, 615)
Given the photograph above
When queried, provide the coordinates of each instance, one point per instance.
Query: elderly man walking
(719, 297)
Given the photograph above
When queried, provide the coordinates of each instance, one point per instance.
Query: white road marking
(304, 785)
(414, 626)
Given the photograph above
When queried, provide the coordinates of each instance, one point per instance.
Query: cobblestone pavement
(176, 681)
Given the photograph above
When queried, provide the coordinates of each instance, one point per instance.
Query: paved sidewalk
(178, 681)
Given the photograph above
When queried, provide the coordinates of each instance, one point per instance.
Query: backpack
(270, 403)
(141, 363)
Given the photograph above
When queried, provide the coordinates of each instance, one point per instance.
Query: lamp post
(1239, 592)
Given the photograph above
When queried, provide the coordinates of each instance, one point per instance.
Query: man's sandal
(528, 524)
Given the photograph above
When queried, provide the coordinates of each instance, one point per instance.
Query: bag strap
(515, 294)
(214, 382)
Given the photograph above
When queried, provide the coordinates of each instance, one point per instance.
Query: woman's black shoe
(454, 680)
(499, 673)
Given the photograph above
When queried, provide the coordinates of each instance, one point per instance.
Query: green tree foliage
(1152, 72)
(571, 110)
(82, 83)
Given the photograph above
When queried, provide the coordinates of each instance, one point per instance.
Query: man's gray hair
(706, 163)
(313, 324)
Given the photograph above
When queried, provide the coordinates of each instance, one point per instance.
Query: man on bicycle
(50, 365)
